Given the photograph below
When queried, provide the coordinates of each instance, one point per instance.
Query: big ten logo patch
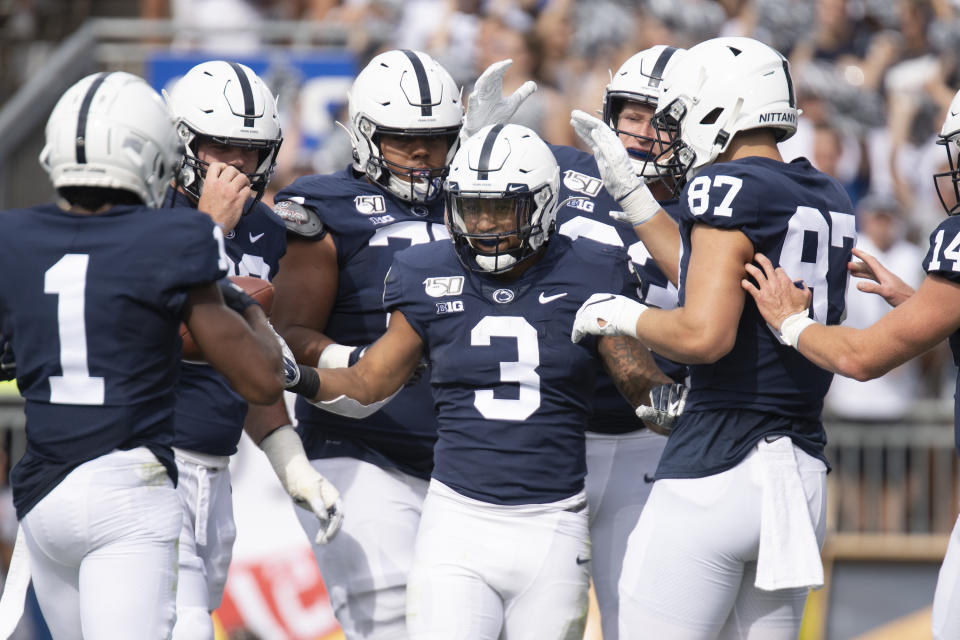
(368, 205)
(437, 287)
(581, 183)
(451, 306)
(583, 204)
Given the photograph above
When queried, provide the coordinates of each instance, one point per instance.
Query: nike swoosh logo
(582, 560)
(545, 299)
(254, 238)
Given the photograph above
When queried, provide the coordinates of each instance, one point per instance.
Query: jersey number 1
(67, 279)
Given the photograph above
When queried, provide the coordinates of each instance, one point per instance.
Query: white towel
(789, 555)
(15, 589)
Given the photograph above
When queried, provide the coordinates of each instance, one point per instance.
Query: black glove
(235, 297)
(8, 364)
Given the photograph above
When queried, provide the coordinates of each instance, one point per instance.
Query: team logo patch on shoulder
(451, 306)
(581, 182)
(385, 219)
(503, 296)
(583, 204)
(368, 205)
(437, 287)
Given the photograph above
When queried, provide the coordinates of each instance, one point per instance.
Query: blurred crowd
(873, 77)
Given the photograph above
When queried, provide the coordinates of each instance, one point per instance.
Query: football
(257, 288)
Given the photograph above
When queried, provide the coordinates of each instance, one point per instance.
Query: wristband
(793, 326)
(639, 205)
(309, 383)
(335, 356)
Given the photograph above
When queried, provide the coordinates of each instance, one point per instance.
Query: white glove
(308, 488)
(619, 176)
(619, 313)
(668, 401)
(486, 104)
(291, 372)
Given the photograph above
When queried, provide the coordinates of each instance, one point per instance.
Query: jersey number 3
(522, 371)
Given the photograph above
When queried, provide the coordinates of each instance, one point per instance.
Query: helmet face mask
(227, 103)
(111, 131)
(507, 176)
(403, 93)
(948, 182)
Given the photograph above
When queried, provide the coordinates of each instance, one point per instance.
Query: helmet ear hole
(712, 117)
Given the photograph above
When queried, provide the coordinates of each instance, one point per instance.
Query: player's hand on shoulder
(667, 402)
(226, 190)
(606, 314)
(885, 283)
(487, 105)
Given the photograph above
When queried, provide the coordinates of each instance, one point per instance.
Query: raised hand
(619, 176)
(486, 104)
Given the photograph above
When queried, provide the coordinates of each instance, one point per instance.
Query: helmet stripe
(786, 74)
(657, 74)
(82, 118)
(248, 107)
(483, 167)
(426, 103)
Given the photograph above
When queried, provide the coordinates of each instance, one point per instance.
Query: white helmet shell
(403, 92)
(719, 88)
(948, 182)
(111, 130)
(507, 161)
(229, 103)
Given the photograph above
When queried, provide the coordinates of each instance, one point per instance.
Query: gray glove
(486, 104)
(668, 401)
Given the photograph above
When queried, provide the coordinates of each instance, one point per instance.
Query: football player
(621, 452)
(227, 120)
(728, 542)
(491, 309)
(919, 321)
(102, 283)
(405, 117)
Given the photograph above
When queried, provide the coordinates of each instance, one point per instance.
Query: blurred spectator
(888, 398)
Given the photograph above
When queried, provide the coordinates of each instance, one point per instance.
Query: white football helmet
(504, 167)
(717, 89)
(228, 103)
(638, 80)
(950, 139)
(111, 130)
(403, 93)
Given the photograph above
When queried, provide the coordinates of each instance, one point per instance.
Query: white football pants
(691, 561)
(946, 600)
(103, 550)
(365, 567)
(206, 541)
(485, 571)
(616, 493)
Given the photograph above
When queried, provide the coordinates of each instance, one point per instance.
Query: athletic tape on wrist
(793, 326)
(309, 382)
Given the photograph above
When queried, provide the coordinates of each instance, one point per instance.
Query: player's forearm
(262, 420)
(679, 335)
(307, 344)
(661, 236)
(631, 366)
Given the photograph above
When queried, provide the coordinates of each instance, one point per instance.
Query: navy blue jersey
(93, 306)
(512, 392)
(368, 226)
(209, 413)
(799, 218)
(943, 259)
(586, 212)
